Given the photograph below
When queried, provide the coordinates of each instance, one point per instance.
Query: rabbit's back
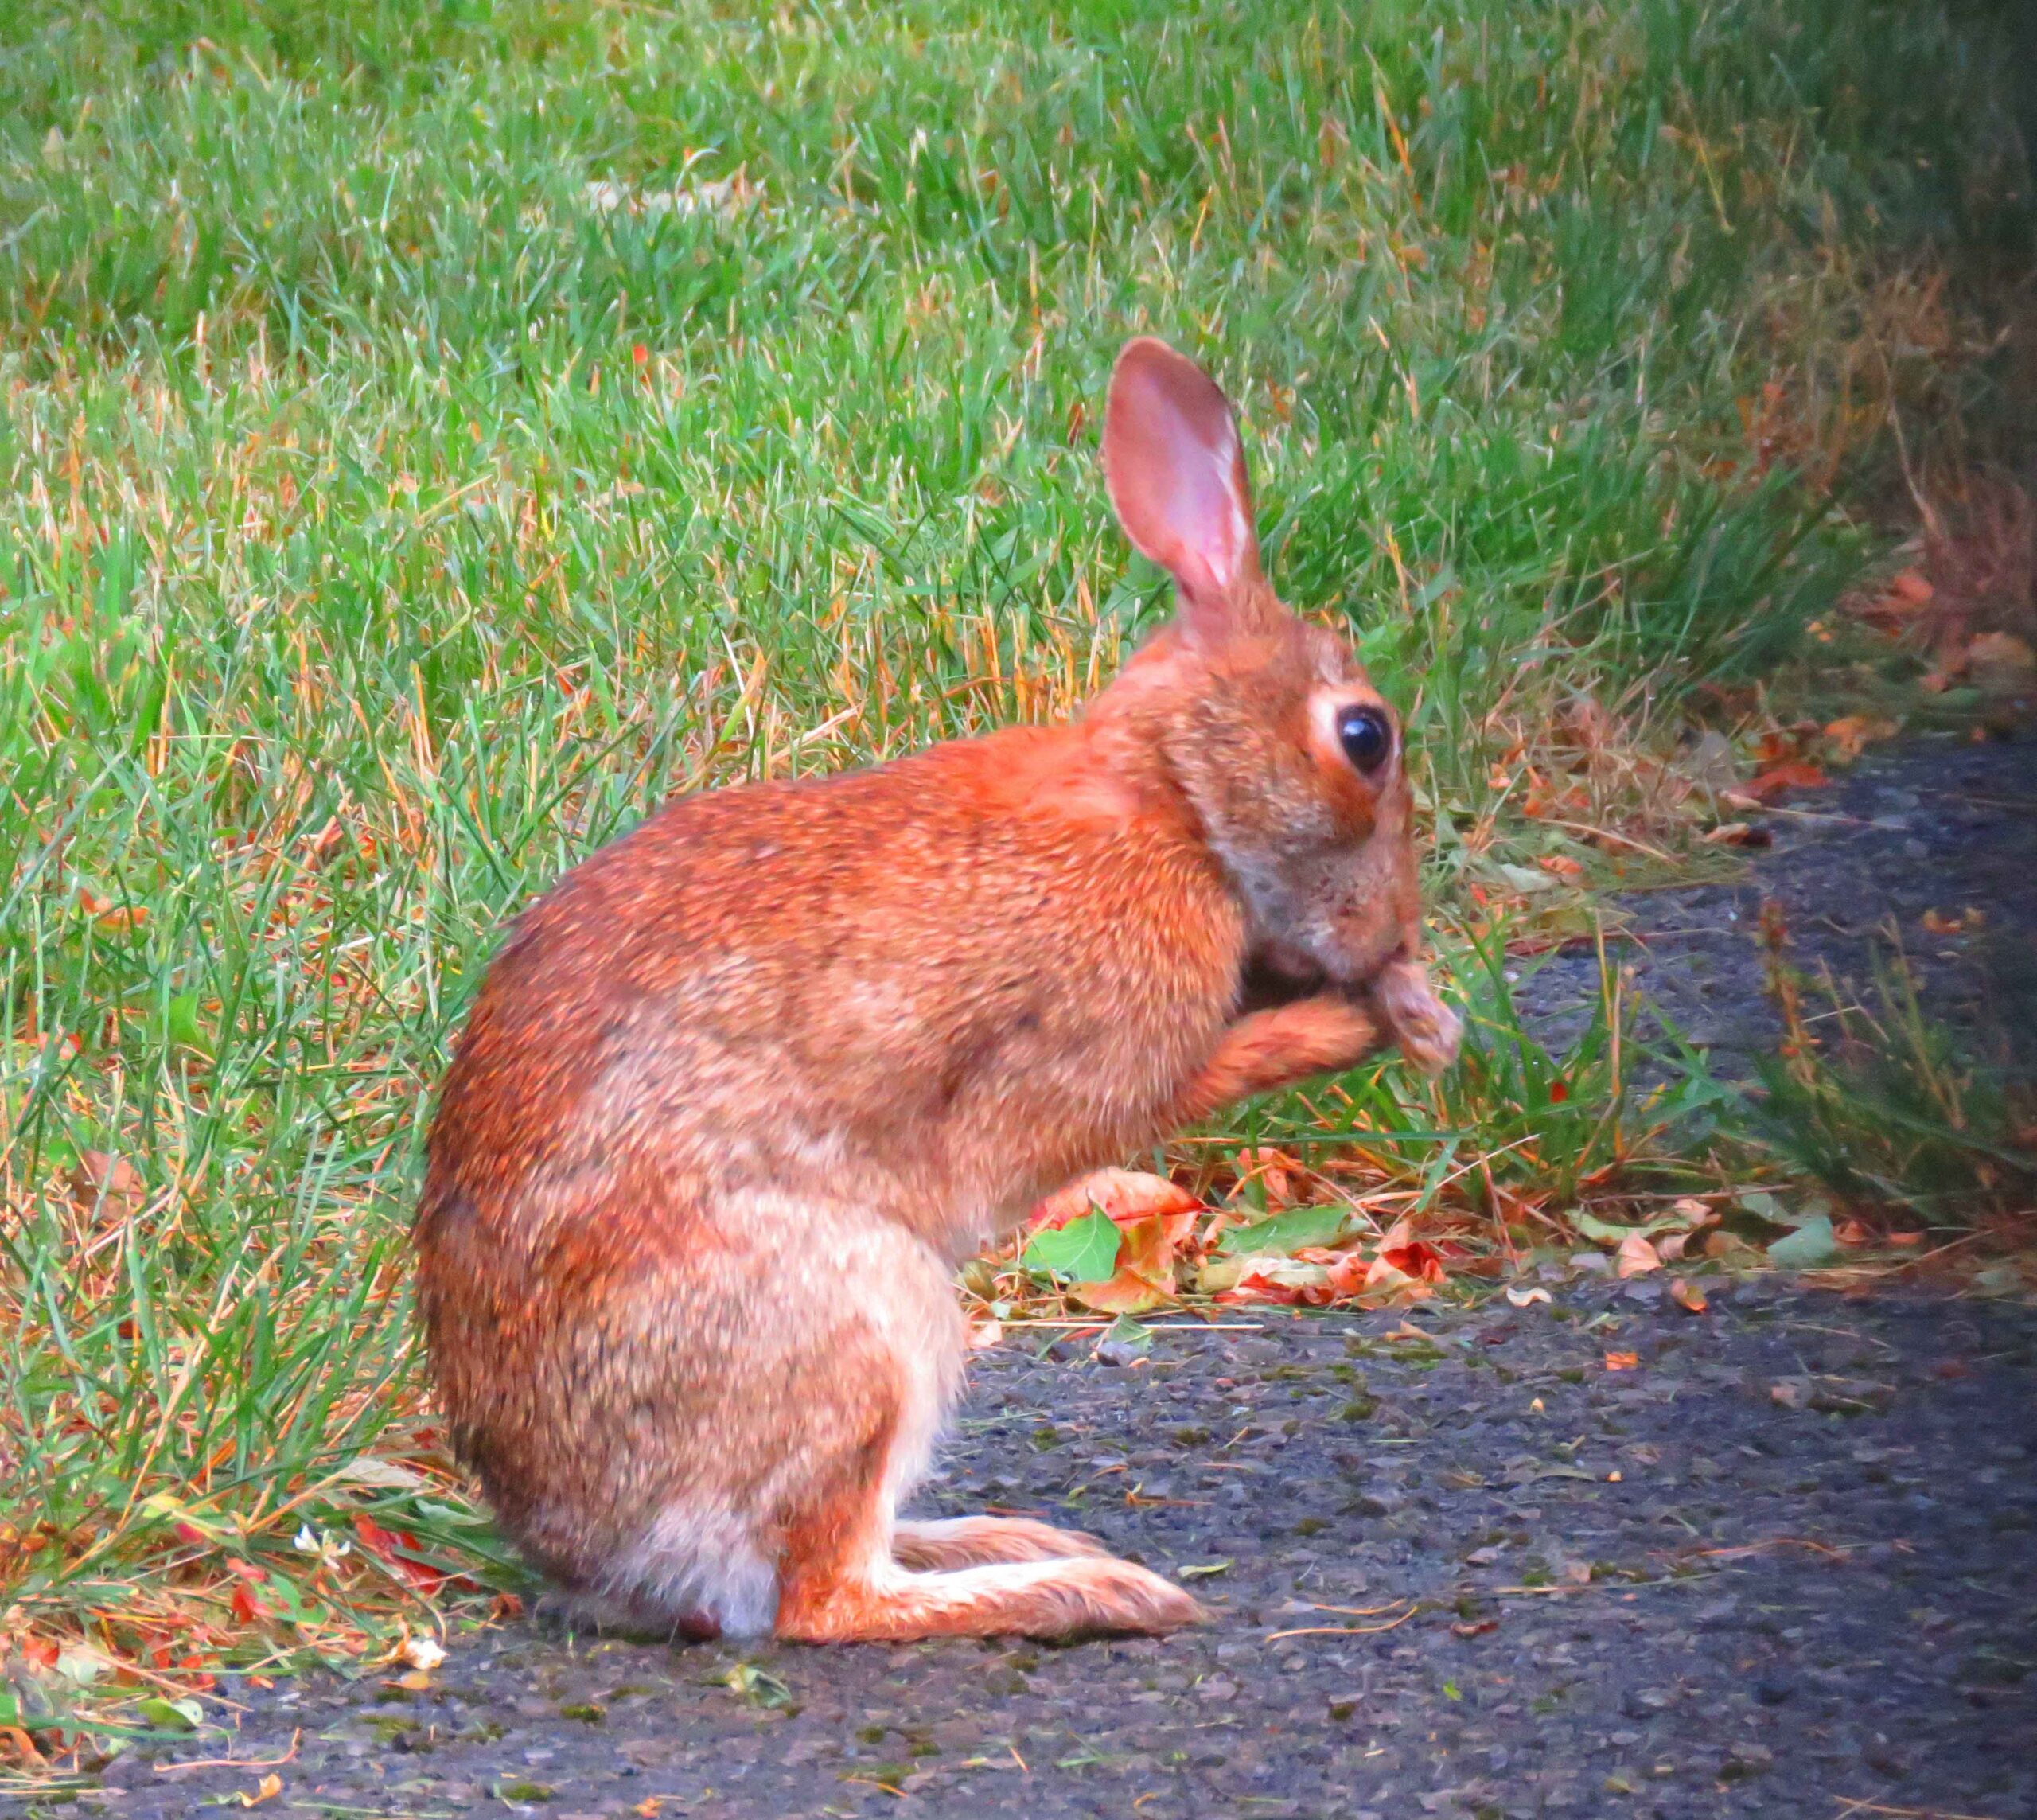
(934, 987)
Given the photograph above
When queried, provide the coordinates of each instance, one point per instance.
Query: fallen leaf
(1739, 834)
(1791, 774)
(1521, 1298)
(1118, 1194)
(1622, 1361)
(1790, 1393)
(1275, 1171)
(385, 1475)
(1561, 864)
(1476, 1629)
(267, 1789)
(1851, 1233)
(1524, 879)
(1203, 1570)
(423, 1653)
(1282, 1280)
(246, 1608)
(1688, 1297)
(1284, 1234)
(108, 1186)
(171, 1715)
(1812, 1244)
(1423, 1262)
(1847, 737)
(1085, 1250)
(761, 1688)
(1910, 588)
(1145, 1276)
(1636, 1258)
(396, 1550)
(983, 1334)
(1141, 1220)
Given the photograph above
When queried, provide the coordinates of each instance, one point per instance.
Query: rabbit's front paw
(1426, 1030)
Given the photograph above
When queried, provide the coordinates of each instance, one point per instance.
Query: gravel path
(1781, 1563)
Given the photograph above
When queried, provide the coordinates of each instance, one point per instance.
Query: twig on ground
(1342, 1630)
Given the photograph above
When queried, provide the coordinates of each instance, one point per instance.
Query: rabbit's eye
(1366, 736)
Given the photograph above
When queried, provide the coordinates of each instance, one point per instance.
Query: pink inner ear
(1176, 475)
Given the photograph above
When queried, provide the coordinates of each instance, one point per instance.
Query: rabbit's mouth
(1278, 975)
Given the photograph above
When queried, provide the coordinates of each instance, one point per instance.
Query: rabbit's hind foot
(842, 1584)
(1078, 1595)
(945, 1545)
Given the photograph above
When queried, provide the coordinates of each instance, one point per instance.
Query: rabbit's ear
(1176, 475)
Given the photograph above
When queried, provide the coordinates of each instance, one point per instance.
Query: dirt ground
(1599, 1555)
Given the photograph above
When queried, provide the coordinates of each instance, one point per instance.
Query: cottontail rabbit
(740, 1089)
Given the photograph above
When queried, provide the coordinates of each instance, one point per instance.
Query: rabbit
(740, 1090)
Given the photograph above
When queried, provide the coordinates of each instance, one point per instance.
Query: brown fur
(741, 1087)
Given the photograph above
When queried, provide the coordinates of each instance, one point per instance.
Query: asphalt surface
(1937, 829)
(1781, 1562)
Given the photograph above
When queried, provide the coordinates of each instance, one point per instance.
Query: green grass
(384, 525)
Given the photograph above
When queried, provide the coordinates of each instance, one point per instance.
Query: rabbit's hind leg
(977, 1542)
(843, 1585)
(842, 1578)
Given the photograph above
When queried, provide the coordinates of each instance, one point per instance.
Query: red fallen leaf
(388, 1547)
(1419, 1260)
(1791, 774)
(1558, 1092)
(1123, 1195)
(191, 1534)
(42, 1651)
(245, 1607)
(1477, 1630)
(246, 1570)
(1622, 1361)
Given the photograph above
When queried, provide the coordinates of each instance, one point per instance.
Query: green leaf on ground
(1083, 1251)
(1286, 1233)
(1811, 1245)
(171, 1715)
(758, 1686)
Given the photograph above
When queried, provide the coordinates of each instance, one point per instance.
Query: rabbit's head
(1288, 757)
